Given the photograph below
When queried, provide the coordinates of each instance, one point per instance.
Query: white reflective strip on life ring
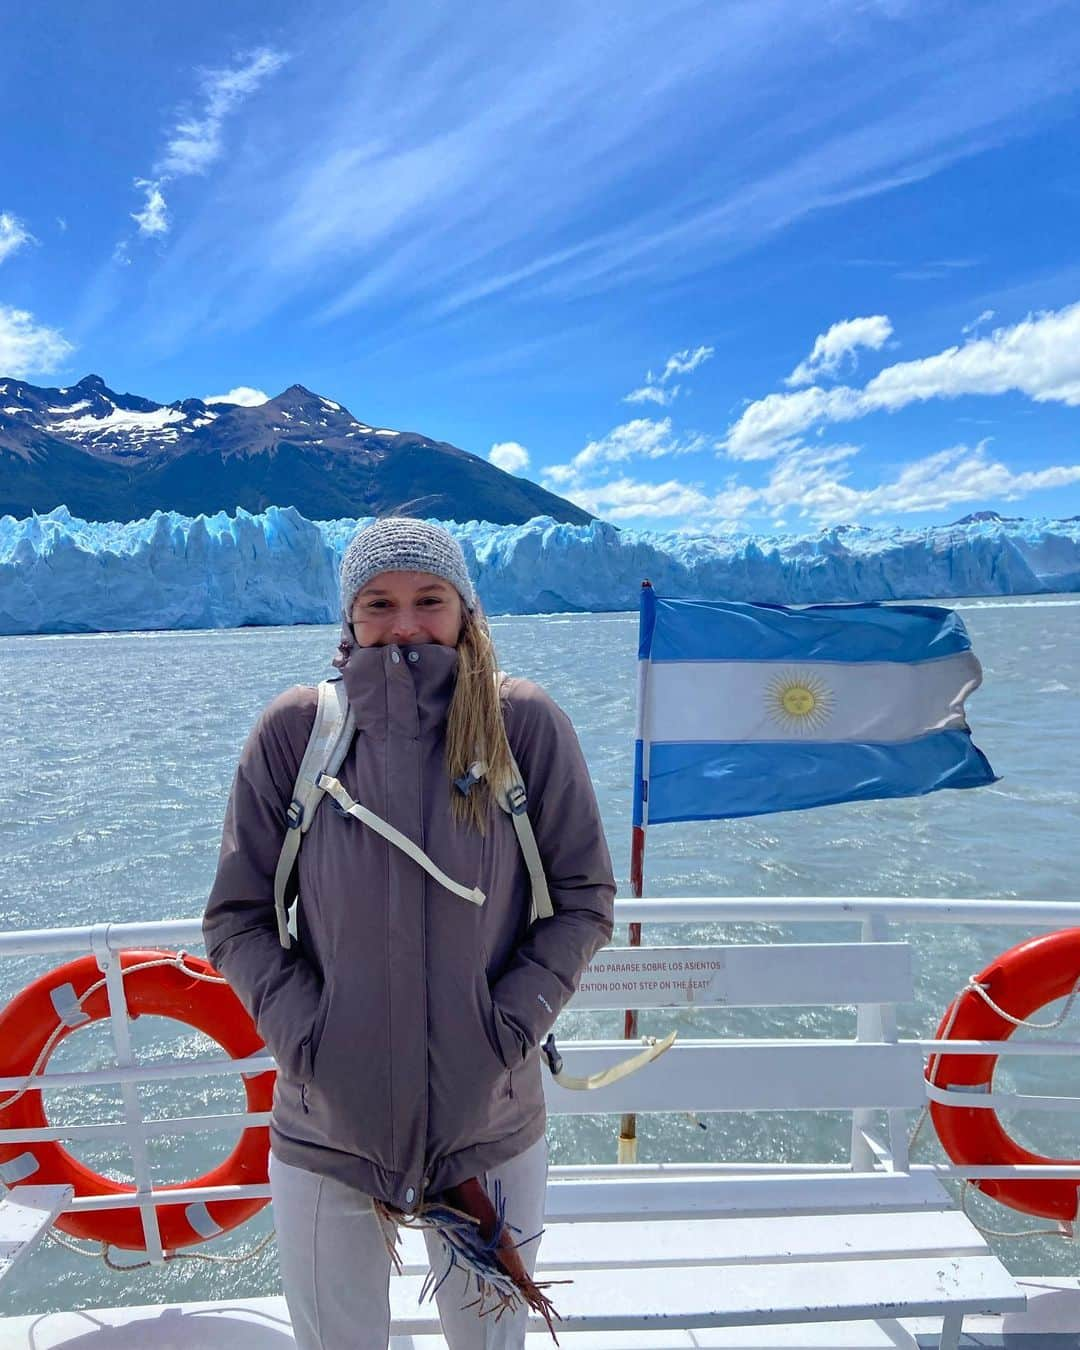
(200, 1219)
(18, 1169)
(66, 1002)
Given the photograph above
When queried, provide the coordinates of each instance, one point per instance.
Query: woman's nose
(406, 624)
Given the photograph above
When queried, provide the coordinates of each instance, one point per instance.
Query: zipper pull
(303, 1099)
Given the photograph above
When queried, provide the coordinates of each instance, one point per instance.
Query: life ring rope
(101, 1252)
(980, 989)
(32, 1078)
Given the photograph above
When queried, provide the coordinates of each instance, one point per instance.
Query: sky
(743, 265)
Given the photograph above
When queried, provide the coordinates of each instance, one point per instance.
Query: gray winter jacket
(406, 1021)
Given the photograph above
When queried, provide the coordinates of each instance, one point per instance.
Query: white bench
(673, 1255)
(25, 1215)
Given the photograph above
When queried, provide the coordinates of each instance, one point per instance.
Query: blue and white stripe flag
(745, 709)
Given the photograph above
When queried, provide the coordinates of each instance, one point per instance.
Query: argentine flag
(745, 709)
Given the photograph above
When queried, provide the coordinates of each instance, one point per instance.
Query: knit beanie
(401, 544)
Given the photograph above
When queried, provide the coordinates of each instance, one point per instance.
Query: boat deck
(1051, 1322)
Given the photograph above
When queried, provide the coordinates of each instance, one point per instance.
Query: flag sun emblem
(799, 701)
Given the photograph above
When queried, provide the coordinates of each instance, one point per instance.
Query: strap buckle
(295, 814)
(551, 1054)
(517, 799)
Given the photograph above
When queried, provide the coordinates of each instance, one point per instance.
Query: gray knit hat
(401, 544)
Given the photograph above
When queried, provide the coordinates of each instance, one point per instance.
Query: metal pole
(628, 1122)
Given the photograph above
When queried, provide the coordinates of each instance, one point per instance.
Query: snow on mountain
(62, 574)
(113, 428)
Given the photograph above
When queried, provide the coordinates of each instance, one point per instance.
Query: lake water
(116, 754)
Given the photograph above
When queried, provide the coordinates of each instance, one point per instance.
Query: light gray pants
(335, 1266)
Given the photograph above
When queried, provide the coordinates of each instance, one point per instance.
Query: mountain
(110, 456)
(984, 517)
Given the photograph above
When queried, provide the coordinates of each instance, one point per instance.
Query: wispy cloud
(13, 235)
(653, 393)
(975, 324)
(659, 389)
(153, 219)
(642, 438)
(837, 348)
(440, 201)
(28, 347)
(937, 270)
(1038, 357)
(196, 140)
(814, 486)
(510, 456)
(627, 498)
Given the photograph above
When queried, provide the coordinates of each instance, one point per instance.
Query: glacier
(60, 574)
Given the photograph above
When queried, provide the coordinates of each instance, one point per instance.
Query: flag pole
(628, 1123)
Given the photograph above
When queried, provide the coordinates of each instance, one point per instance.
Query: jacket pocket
(309, 1046)
(490, 1030)
(489, 1015)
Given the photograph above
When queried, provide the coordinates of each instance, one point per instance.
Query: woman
(406, 1021)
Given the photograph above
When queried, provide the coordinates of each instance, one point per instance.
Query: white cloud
(641, 438)
(196, 140)
(682, 363)
(835, 348)
(1039, 357)
(242, 394)
(775, 423)
(153, 219)
(678, 363)
(653, 393)
(13, 235)
(510, 456)
(61, 224)
(27, 347)
(984, 317)
(628, 499)
(815, 483)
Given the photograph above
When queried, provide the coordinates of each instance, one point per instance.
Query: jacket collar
(406, 689)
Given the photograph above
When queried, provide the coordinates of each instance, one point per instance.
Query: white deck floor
(1051, 1322)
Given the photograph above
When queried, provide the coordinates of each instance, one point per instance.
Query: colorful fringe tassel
(479, 1241)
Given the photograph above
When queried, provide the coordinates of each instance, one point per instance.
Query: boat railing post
(134, 1132)
(628, 1122)
(876, 1022)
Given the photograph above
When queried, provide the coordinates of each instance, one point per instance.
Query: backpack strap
(514, 800)
(328, 744)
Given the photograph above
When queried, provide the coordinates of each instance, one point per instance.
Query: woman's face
(407, 607)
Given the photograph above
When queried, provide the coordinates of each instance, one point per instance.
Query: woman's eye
(429, 601)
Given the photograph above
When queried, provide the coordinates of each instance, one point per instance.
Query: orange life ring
(165, 991)
(1021, 981)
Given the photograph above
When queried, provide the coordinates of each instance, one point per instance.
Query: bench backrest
(866, 1073)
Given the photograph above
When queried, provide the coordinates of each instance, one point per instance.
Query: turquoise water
(115, 761)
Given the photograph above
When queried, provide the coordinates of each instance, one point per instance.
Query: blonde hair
(475, 729)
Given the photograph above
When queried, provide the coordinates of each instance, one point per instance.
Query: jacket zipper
(303, 1098)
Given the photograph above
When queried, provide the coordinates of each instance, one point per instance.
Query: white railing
(873, 914)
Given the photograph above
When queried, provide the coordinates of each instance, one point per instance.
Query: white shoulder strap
(514, 800)
(328, 744)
